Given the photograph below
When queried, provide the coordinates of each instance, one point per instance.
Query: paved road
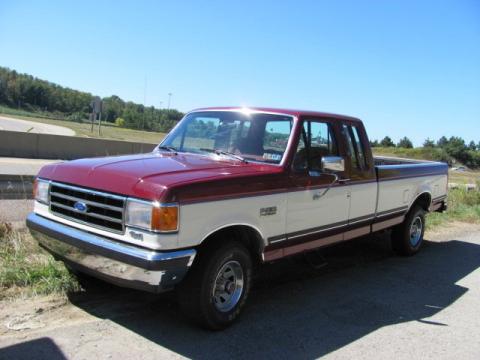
(20, 166)
(366, 304)
(11, 124)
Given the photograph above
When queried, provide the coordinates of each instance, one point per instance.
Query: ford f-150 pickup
(226, 190)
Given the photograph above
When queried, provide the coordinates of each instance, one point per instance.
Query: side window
(317, 140)
(361, 151)
(355, 146)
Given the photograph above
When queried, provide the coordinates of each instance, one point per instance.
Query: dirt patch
(447, 231)
(21, 316)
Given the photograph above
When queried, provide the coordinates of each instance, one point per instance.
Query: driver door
(318, 207)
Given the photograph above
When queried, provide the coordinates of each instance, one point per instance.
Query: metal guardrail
(16, 187)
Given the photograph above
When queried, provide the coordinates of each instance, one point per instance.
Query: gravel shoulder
(366, 303)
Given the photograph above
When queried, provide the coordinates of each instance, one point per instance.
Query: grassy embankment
(420, 153)
(463, 205)
(109, 130)
(27, 270)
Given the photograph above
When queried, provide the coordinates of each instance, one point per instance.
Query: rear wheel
(407, 238)
(216, 288)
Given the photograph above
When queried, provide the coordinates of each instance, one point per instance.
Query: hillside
(26, 94)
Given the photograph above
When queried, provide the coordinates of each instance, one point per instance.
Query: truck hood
(150, 176)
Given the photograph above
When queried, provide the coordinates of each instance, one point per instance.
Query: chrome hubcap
(416, 231)
(228, 286)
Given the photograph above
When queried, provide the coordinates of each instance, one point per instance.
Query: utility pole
(100, 124)
(144, 101)
(169, 99)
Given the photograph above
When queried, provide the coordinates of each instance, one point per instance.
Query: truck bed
(401, 181)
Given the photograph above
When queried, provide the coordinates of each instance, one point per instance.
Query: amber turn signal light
(165, 218)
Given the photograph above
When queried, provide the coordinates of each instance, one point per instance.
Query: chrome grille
(102, 210)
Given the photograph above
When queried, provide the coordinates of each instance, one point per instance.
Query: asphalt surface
(20, 166)
(366, 303)
(11, 124)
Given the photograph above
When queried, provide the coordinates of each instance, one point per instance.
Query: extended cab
(226, 190)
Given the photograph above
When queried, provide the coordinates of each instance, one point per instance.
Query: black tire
(403, 240)
(196, 291)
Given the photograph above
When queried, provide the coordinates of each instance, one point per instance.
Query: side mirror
(333, 163)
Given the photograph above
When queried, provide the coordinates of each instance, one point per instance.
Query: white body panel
(393, 194)
(363, 200)
(305, 212)
(295, 211)
(197, 221)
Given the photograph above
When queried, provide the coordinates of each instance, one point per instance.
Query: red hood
(149, 176)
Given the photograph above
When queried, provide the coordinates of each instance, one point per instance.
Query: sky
(406, 68)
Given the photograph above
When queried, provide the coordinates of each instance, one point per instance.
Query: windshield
(256, 136)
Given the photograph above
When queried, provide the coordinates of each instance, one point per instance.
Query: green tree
(112, 107)
(405, 143)
(442, 142)
(387, 142)
(429, 143)
(374, 143)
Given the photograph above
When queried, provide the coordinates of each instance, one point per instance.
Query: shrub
(76, 116)
(120, 122)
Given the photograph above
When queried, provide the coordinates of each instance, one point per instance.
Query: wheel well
(424, 200)
(244, 234)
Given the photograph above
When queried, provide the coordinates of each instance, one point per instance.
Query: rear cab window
(356, 152)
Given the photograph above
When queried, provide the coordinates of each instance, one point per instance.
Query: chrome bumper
(115, 262)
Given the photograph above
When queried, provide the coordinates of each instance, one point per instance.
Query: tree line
(26, 92)
(445, 149)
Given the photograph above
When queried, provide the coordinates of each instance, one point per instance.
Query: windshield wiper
(168, 148)
(225, 153)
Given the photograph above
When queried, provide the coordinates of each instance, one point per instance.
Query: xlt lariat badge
(136, 235)
(272, 210)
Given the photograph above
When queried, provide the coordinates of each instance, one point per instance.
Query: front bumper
(112, 261)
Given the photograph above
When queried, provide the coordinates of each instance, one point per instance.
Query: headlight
(40, 190)
(152, 216)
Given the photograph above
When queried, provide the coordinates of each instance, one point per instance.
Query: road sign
(96, 105)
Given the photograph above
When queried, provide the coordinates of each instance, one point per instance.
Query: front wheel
(216, 288)
(407, 238)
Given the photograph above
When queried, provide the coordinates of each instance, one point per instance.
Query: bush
(76, 116)
(120, 122)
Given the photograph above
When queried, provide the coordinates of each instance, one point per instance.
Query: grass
(463, 205)
(27, 270)
(420, 153)
(464, 177)
(109, 131)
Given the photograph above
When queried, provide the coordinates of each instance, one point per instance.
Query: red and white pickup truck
(226, 190)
